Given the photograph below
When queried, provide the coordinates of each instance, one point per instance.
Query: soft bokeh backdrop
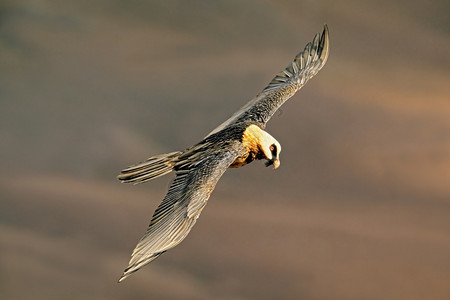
(359, 209)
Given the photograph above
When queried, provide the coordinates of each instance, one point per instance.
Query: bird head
(263, 145)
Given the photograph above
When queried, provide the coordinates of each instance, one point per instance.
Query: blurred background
(360, 208)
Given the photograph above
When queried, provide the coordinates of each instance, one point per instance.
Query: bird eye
(273, 149)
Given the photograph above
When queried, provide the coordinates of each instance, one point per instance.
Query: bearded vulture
(238, 141)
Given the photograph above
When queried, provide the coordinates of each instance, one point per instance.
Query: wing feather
(182, 205)
(284, 85)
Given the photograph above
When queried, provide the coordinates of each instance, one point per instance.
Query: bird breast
(251, 139)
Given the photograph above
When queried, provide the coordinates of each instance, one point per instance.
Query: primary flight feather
(238, 141)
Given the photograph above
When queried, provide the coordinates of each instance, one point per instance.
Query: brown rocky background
(359, 209)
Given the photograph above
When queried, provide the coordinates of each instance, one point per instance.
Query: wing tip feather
(325, 43)
(307, 63)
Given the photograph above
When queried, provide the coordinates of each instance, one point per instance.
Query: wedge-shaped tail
(153, 167)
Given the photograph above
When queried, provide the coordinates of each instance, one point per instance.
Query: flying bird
(238, 141)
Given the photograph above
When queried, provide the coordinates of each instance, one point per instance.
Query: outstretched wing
(305, 65)
(195, 179)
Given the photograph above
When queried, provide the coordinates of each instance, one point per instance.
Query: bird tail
(153, 167)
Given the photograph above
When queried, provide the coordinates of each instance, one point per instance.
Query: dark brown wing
(196, 177)
(285, 84)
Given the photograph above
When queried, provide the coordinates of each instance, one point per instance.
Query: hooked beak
(274, 161)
